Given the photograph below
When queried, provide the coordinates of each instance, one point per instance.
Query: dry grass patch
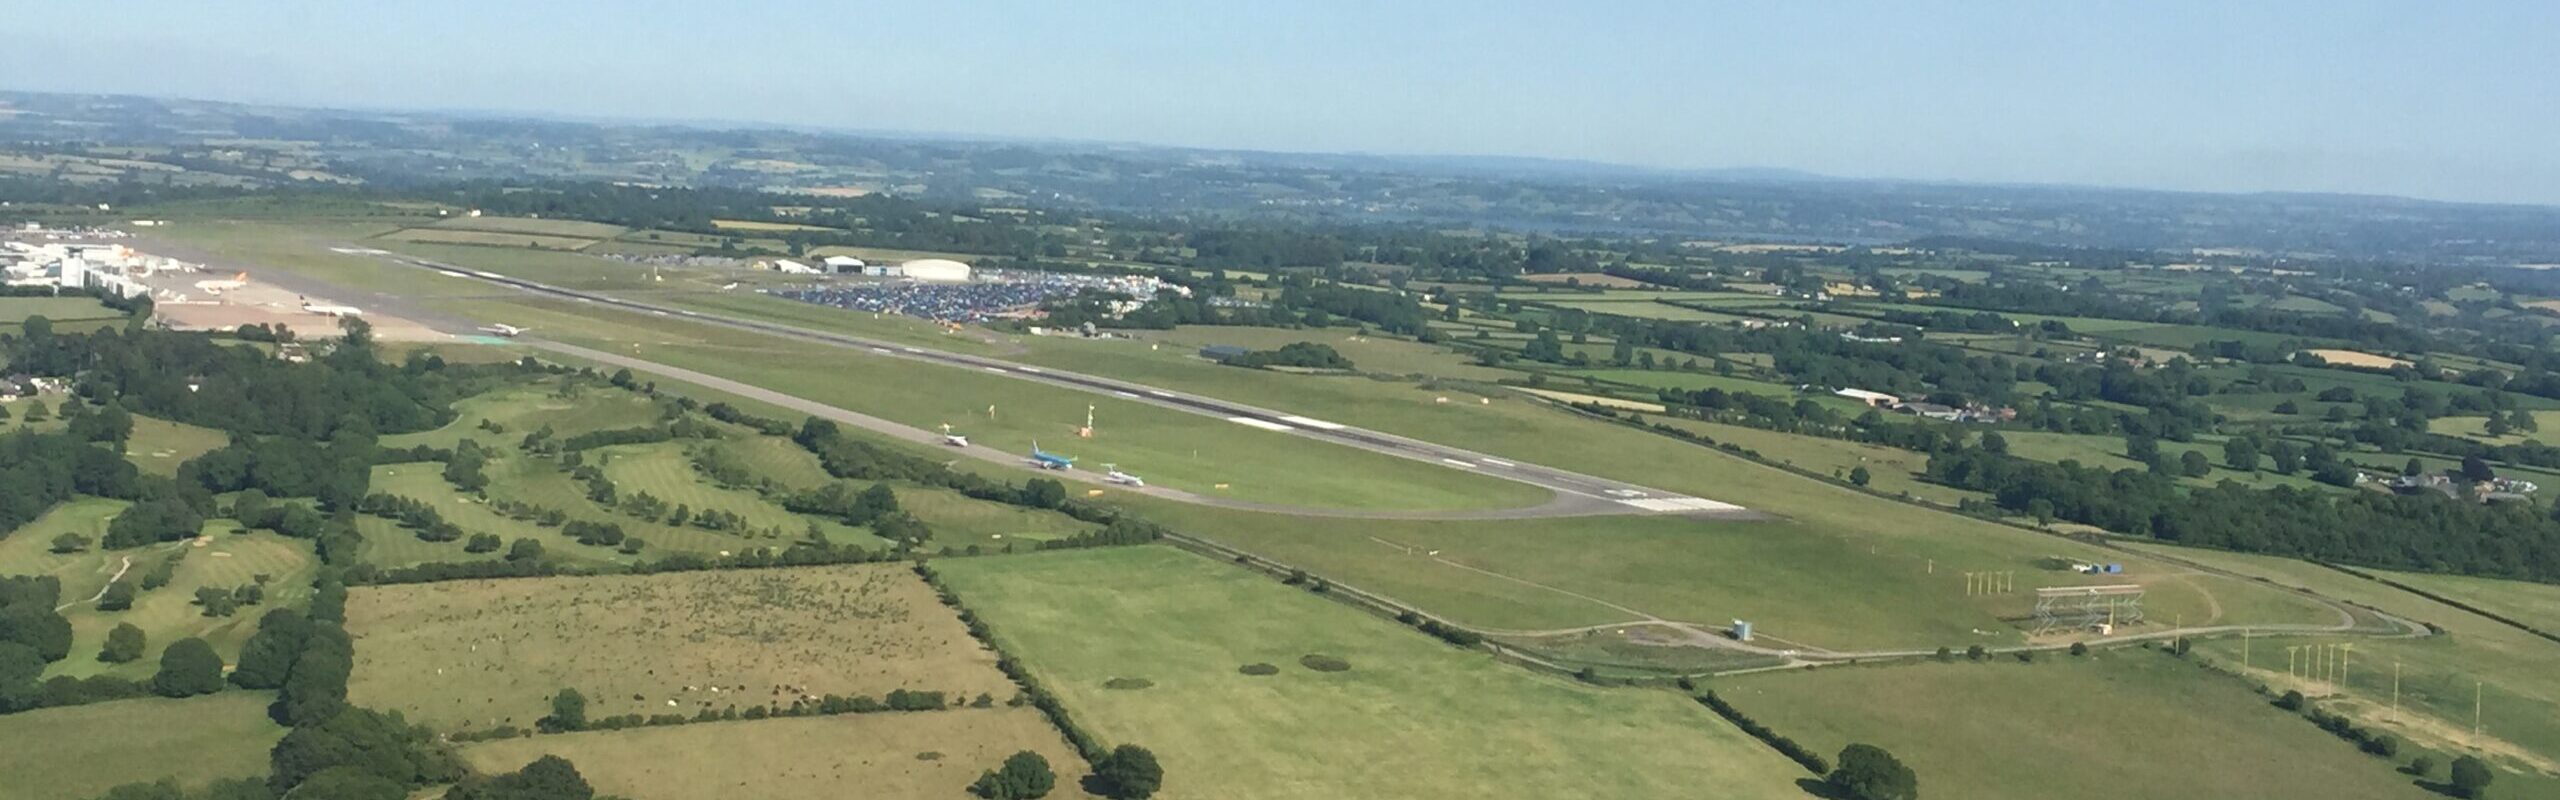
(2353, 358)
(467, 655)
(932, 754)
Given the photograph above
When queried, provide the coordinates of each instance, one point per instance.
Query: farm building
(935, 269)
(844, 265)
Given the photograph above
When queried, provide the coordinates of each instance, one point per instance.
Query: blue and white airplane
(1048, 460)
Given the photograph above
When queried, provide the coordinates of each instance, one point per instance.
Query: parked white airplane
(1114, 475)
(953, 439)
(220, 286)
(331, 310)
(503, 329)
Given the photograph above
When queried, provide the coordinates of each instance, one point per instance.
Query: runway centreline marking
(1457, 463)
(1313, 423)
(1259, 423)
(1499, 462)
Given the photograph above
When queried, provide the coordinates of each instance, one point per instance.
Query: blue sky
(2451, 100)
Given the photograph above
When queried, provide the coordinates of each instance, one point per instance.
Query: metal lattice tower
(2077, 607)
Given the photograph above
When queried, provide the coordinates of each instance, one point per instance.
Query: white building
(843, 264)
(935, 269)
(790, 267)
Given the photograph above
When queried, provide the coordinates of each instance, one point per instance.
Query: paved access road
(1577, 494)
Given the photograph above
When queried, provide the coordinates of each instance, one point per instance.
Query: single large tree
(1024, 776)
(1867, 772)
(1129, 772)
(568, 712)
(189, 667)
(125, 643)
(2471, 777)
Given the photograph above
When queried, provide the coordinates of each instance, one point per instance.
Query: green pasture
(1411, 718)
(891, 756)
(2130, 724)
(523, 409)
(1891, 470)
(82, 751)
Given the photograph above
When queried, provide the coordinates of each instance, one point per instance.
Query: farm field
(2508, 669)
(2107, 452)
(2354, 358)
(2535, 604)
(1411, 717)
(80, 751)
(893, 756)
(755, 225)
(473, 655)
(2478, 428)
(2121, 723)
(1663, 311)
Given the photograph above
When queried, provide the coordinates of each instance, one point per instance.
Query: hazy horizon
(2376, 99)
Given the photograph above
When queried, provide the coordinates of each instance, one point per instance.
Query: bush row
(1787, 747)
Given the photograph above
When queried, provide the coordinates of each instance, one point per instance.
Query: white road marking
(1667, 504)
(1315, 423)
(1457, 463)
(1030, 369)
(1124, 394)
(994, 369)
(1159, 393)
(911, 349)
(1499, 462)
(1259, 423)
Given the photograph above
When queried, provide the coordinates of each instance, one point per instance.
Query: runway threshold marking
(1313, 423)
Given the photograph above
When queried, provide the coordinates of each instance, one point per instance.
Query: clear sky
(2448, 100)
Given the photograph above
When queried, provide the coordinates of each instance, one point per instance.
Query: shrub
(1324, 663)
(1258, 669)
(2079, 648)
(1024, 776)
(1127, 683)
(1867, 772)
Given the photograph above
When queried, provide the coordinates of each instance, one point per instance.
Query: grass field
(477, 654)
(1892, 470)
(82, 751)
(158, 446)
(566, 228)
(487, 239)
(1178, 349)
(14, 311)
(2438, 676)
(2120, 724)
(2535, 604)
(892, 756)
(753, 225)
(1412, 718)
(1178, 450)
(2546, 424)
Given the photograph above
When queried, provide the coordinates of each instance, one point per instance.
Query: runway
(1576, 494)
